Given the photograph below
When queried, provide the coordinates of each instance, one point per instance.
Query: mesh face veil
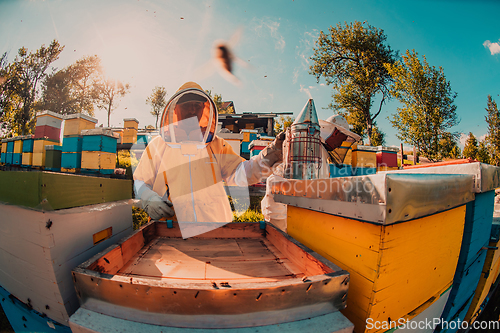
(190, 115)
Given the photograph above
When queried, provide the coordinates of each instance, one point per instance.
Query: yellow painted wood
(27, 159)
(98, 160)
(39, 145)
(38, 159)
(489, 275)
(129, 135)
(246, 137)
(120, 135)
(363, 158)
(130, 123)
(397, 271)
(76, 125)
(18, 147)
(417, 262)
(4, 147)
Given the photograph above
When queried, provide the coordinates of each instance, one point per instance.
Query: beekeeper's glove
(154, 205)
(274, 152)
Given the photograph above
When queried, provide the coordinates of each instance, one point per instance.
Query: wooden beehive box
(74, 124)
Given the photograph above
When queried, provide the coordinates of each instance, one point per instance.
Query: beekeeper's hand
(155, 206)
(274, 152)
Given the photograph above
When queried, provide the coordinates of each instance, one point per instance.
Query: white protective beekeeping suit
(181, 173)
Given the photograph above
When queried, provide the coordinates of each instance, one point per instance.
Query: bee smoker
(302, 146)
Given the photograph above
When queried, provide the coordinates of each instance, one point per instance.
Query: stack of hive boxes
(3, 153)
(17, 155)
(47, 132)
(7, 150)
(364, 160)
(98, 151)
(71, 156)
(131, 125)
(248, 136)
(256, 146)
(387, 158)
(27, 158)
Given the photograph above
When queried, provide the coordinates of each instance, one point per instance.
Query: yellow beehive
(18, 146)
(27, 159)
(249, 126)
(75, 123)
(364, 156)
(129, 135)
(382, 282)
(4, 147)
(39, 145)
(119, 133)
(39, 151)
(97, 160)
(131, 123)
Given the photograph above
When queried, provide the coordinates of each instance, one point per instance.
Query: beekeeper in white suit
(181, 171)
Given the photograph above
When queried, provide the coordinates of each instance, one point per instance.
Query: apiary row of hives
(83, 148)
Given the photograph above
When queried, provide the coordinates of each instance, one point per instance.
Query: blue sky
(166, 43)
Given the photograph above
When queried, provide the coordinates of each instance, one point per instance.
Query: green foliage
(428, 111)
(282, 124)
(217, 98)
(493, 136)
(249, 215)
(378, 137)
(21, 80)
(139, 217)
(470, 147)
(128, 161)
(482, 153)
(449, 148)
(108, 92)
(85, 74)
(157, 101)
(352, 58)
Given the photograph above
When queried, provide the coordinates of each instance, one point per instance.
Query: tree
(86, 82)
(57, 95)
(428, 111)
(108, 93)
(493, 136)
(449, 147)
(352, 59)
(470, 148)
(157, 101)
(482, 152)
(217, 98)
(20, 88)
(282, 124)
(378, 137)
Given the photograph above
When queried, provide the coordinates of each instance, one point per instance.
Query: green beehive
(53, 157)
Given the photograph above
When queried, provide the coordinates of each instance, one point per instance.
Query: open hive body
(240, 275)
(43, 235)
(413, 241)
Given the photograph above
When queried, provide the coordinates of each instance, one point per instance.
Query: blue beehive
(340, 170)
(72, 144)
(364, 171)
(28, 144)
(71, 160)
(102, 143)
(477, 229)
